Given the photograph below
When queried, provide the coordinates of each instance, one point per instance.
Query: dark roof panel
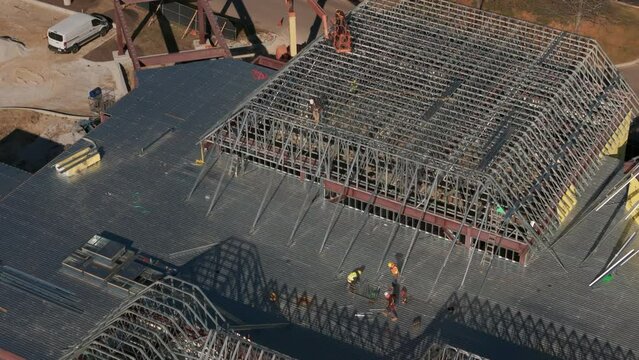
(10, 178)
(50, 216)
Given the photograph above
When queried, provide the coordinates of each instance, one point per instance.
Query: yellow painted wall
(619, 138)
(633, 198)
(567, 202)
(614, 147)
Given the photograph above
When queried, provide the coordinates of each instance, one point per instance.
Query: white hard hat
(311, 101)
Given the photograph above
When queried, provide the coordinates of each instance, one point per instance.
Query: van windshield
(54, 36)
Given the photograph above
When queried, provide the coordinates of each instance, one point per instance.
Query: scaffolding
(452, 120)
(170, 319)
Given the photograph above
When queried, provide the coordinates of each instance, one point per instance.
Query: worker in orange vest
(394, 270)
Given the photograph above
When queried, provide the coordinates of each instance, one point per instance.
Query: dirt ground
(28, 139)
(86, 6)
(60, 129)
(269, 19)
(149, 39)
(41, 78)
(615, 27)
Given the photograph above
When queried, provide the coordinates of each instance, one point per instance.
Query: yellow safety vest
(353, 276)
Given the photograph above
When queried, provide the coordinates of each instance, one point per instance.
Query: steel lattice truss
(170, 319)
(442, 112)
(447, 352)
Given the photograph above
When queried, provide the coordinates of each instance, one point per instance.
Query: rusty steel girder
(124, 38)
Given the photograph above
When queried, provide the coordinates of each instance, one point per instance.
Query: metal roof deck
(535, 312)
(45, 219)
(10, 178)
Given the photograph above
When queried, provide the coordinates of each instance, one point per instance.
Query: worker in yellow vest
(353, 278)
(394, 270)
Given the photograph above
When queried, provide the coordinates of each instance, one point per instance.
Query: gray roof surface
(10, 178)
(49, 216)
(531, 313)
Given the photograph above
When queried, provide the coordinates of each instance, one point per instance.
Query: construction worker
(403, 294)
(394, 270)
(391, 306)
(353, 88)
(353, 278)
(315, 108)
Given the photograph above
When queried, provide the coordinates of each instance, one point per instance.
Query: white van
(76, 30)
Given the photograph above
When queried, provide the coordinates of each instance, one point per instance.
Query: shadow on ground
(27, 151)
(231, 274)
(500, 332)
(247, 25)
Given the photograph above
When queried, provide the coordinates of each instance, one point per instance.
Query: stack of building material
(78, 162)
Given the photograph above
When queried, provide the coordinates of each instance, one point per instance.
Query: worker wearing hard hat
(353, 278)
(315, 109)
(391, 306)
(394, 270)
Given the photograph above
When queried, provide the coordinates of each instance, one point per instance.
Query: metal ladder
(489, 252)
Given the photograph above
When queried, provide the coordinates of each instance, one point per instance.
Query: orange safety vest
(394, 270)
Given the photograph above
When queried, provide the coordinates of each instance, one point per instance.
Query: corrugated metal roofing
(10, 178)
(528, 313)
(49, 216)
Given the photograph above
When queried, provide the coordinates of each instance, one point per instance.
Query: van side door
(82, 32)
(87, 31)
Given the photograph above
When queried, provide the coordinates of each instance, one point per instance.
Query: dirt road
(39, 77)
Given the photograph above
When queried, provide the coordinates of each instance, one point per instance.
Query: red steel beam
(214, 26)
(122, 26)
(182, 56)
(268, 62)
(320, 12)
(136, 1)
(428, 217)
(414, 213)
(201, 25)
(119, 41)
(6, 355)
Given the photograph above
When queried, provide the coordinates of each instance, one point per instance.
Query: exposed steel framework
(446, 118)
(171, 319)
(124, 38)
(447, 352)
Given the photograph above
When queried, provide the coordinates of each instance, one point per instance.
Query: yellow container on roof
(66, 161)
(78, 162)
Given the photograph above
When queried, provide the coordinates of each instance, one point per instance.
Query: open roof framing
(124, 38)
(444, 114)
(447, 352)
(170, 319)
